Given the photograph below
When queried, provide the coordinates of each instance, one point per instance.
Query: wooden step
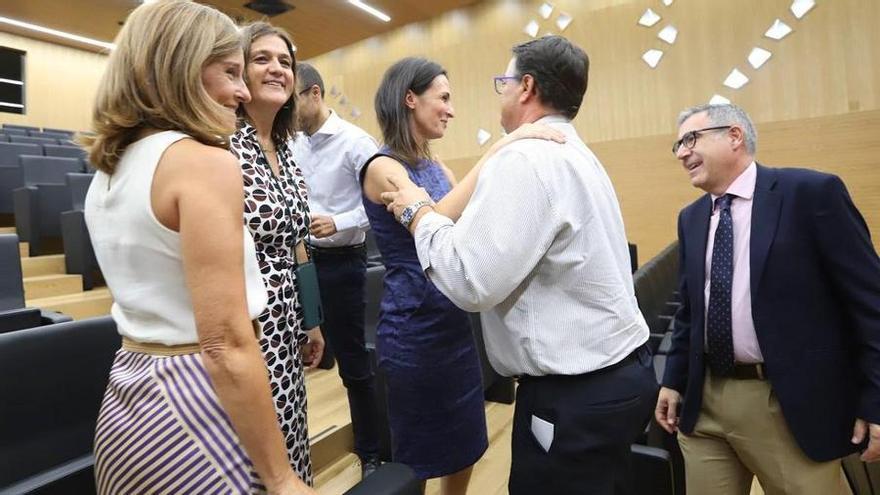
(42, 286)
(340, 476)
(78, 306)
(24, 250)
(52, 264)
(7, 230)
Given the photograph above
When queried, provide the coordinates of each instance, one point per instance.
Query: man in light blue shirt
(331, 152)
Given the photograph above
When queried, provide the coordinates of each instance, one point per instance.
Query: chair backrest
(49, 135)
(9, 153)
(20, 127)
(48, 169)
(16, 130)
(373, 291)
(64, 150)
(4, 138)
(53, 378)
(79, 186)
(11, 285)
(32, 140)
(66, 132)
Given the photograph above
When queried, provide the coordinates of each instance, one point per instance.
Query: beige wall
(810, 100)
(829, 65)
(60, 84)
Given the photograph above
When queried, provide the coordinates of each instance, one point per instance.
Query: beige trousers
(740, 433)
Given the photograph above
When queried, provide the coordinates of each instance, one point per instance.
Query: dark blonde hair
(284, 125)
(153, 79)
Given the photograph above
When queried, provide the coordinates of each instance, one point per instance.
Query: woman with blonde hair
(276, 214)
(188, 406)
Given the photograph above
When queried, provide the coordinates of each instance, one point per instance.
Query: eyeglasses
(501, 82)
(689, 140)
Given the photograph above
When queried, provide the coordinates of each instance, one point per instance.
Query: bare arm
(209, 200)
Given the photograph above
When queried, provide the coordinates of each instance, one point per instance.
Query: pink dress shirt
(745, 341)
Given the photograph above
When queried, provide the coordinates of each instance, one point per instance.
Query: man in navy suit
(775, 363)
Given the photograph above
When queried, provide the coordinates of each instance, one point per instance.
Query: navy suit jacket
(815, 291)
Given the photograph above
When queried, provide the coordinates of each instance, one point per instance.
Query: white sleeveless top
(141, 259)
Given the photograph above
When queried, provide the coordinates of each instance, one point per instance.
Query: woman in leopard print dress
(276, 214)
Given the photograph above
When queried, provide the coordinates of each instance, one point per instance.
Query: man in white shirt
(331, 152)
(540, 251)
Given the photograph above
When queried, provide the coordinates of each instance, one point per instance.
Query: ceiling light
(11, 81)
(736, 79)
(649, 18)
(668, 34)
(56, 33)
(778, 30)
(719, 100)
(372, 10)
(652, 57)
(758, 56)
(800, 7)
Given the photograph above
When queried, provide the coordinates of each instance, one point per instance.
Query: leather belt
(753, 371)
(339, 251)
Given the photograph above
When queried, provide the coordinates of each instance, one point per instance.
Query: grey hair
(726, 114)
(308, 76)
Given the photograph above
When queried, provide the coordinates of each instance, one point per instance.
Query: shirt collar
(553, 118)
(744, 185)
(331, 126)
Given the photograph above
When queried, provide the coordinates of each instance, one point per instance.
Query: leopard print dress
(276, 214)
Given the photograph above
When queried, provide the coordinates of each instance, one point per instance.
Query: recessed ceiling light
(56, 33)
(372, 10)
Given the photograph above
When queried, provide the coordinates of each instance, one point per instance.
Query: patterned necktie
(719, 332)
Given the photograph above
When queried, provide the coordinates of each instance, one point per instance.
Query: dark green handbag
(308, 291)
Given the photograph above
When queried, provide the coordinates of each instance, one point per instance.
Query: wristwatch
(409, 213)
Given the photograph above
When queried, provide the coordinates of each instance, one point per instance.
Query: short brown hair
(284, 125)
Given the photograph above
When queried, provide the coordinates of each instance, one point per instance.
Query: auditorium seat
(13, 313)
(390, 479)
(64, 151)
(14, 131)
(374, 257)
(53, 379)
(66, 132)
(633, 256)
(32, 140)
(4, 138)
(38, 204)
(79, 256)
(496, 388)
(652, 471)
(10, 170)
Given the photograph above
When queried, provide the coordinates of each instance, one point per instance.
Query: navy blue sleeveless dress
(426, 348)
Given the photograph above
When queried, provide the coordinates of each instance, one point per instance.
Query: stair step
(339, 476)
(52, 264)
(7, 230)
(78, 306)
(24, 250)
(41, 286)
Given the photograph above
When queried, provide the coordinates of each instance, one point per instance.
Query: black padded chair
(13, 313)
(496, 388)
(390, 479)
(53, 379)
(373, 291)
(652, 471)
(64, 151)
(633, 256)
(374, 257)
(38, 204)
(10, 170)
(32, 140)
(79, 256)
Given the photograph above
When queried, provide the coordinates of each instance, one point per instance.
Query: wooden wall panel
(652, 187)
(61, 83)
(829, 65)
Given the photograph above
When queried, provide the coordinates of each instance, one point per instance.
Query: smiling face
(270, 72)
(223, 82)
(431, 110)
(712, 163)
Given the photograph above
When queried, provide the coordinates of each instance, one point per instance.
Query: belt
(155, 349)
(631, 358)
(753, 371)
(339, 251)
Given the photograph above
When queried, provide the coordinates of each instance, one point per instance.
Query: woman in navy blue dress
(424, 342)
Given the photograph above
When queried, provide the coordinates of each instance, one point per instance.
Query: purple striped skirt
(161, 430)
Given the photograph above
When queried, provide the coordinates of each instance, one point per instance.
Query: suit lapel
(697, 238)
(765, 217)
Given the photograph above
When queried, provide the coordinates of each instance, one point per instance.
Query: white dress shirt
(541, 251)
(331, 160)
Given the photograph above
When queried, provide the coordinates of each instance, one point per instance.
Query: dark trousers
(341, 276)
(595, 417)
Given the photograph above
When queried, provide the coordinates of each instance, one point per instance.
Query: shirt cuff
(428, 225)
(346, 220)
